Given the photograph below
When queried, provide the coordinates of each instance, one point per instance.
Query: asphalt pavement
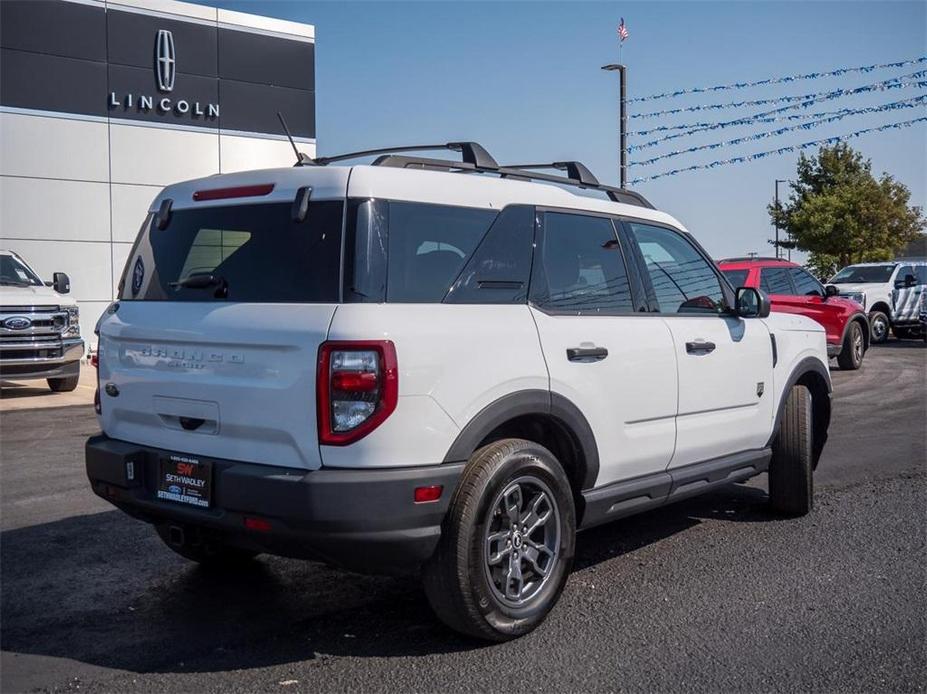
(713, 594)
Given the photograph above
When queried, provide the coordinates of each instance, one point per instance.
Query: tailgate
(233, 381)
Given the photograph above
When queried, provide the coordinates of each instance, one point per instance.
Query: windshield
(861, 274)
(247, 253)
(15, 273)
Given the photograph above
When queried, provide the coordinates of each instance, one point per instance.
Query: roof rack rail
(471, 153)
(576, 171)
(475, 158)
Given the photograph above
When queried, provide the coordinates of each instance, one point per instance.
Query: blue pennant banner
(779, 80)
(906, 103)
(803, 99)
(780, 150)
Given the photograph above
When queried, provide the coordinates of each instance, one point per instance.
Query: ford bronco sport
(438, 366)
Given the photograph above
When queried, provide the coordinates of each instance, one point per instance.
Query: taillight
(357, 387)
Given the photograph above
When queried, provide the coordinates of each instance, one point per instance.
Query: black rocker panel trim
(628, 497)
(530, 402)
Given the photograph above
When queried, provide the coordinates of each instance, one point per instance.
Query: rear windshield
(737, 278)
(863, 273)
(249, 253)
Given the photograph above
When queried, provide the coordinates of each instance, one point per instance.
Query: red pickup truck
(792, 289)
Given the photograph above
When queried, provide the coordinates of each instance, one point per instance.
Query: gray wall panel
(248, 57)
(60, 28)
(132, 42)
(254, 107)
(52, 83)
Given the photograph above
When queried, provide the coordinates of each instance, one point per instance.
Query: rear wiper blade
(203, 280)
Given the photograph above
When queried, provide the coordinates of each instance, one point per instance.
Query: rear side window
(500, 268)
(246, 253)
(737, 278)
(775, 280)
(428, 246)
(805, 284)
(581, 268)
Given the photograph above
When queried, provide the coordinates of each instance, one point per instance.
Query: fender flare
(867, 330)
(531, 402)
(802, 368)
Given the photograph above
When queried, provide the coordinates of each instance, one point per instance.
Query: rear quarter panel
(454, 360)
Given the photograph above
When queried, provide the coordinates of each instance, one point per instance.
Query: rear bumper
(363, 520)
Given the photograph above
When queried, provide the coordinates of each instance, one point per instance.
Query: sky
(523, 79)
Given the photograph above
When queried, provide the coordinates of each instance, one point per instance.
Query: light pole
(778, 181)
(622, 121)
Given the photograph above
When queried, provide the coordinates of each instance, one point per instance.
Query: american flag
(622, 30)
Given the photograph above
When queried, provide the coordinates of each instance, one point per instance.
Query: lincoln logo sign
(165, 70)
(164, 60)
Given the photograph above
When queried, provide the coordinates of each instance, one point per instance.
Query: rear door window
(775, 280)
(242, 253)
(581, 268)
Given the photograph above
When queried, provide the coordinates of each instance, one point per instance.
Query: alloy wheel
(522, 540)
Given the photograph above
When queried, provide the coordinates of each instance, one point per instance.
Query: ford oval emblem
(138, 276)
(17, 323)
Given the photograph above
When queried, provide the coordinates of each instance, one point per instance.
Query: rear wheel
(851, 354)
(506, 545)
(63, 385)
(879, 327)
(791, 476)
(190, 544)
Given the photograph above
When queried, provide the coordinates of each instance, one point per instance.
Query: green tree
(841, 214)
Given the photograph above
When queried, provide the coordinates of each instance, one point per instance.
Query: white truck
(39, 326)
(889, 293)
(446, 367)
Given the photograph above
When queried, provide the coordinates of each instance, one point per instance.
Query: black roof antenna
(301, 158)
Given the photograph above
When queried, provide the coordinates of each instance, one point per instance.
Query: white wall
(73, 191)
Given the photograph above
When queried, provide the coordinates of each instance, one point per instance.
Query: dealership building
(103, 102)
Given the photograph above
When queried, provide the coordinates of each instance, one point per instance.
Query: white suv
(440, 366)
(888, 292)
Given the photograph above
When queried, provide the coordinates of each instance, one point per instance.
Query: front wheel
(507, 543)
(879, 327)
(791, 470)
(851, 353)
(63, 385)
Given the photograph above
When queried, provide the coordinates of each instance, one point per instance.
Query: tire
(791, 471)
(854, 347)
(207, 553)
(879, 327)
(63, 385)
(473, 594)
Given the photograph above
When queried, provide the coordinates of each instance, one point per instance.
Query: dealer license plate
(185, 480)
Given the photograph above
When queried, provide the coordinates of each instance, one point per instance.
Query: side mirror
(61, 283)
(831, 290)
(752, 303)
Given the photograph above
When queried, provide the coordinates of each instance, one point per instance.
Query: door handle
(586, 353)
(700, 347)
